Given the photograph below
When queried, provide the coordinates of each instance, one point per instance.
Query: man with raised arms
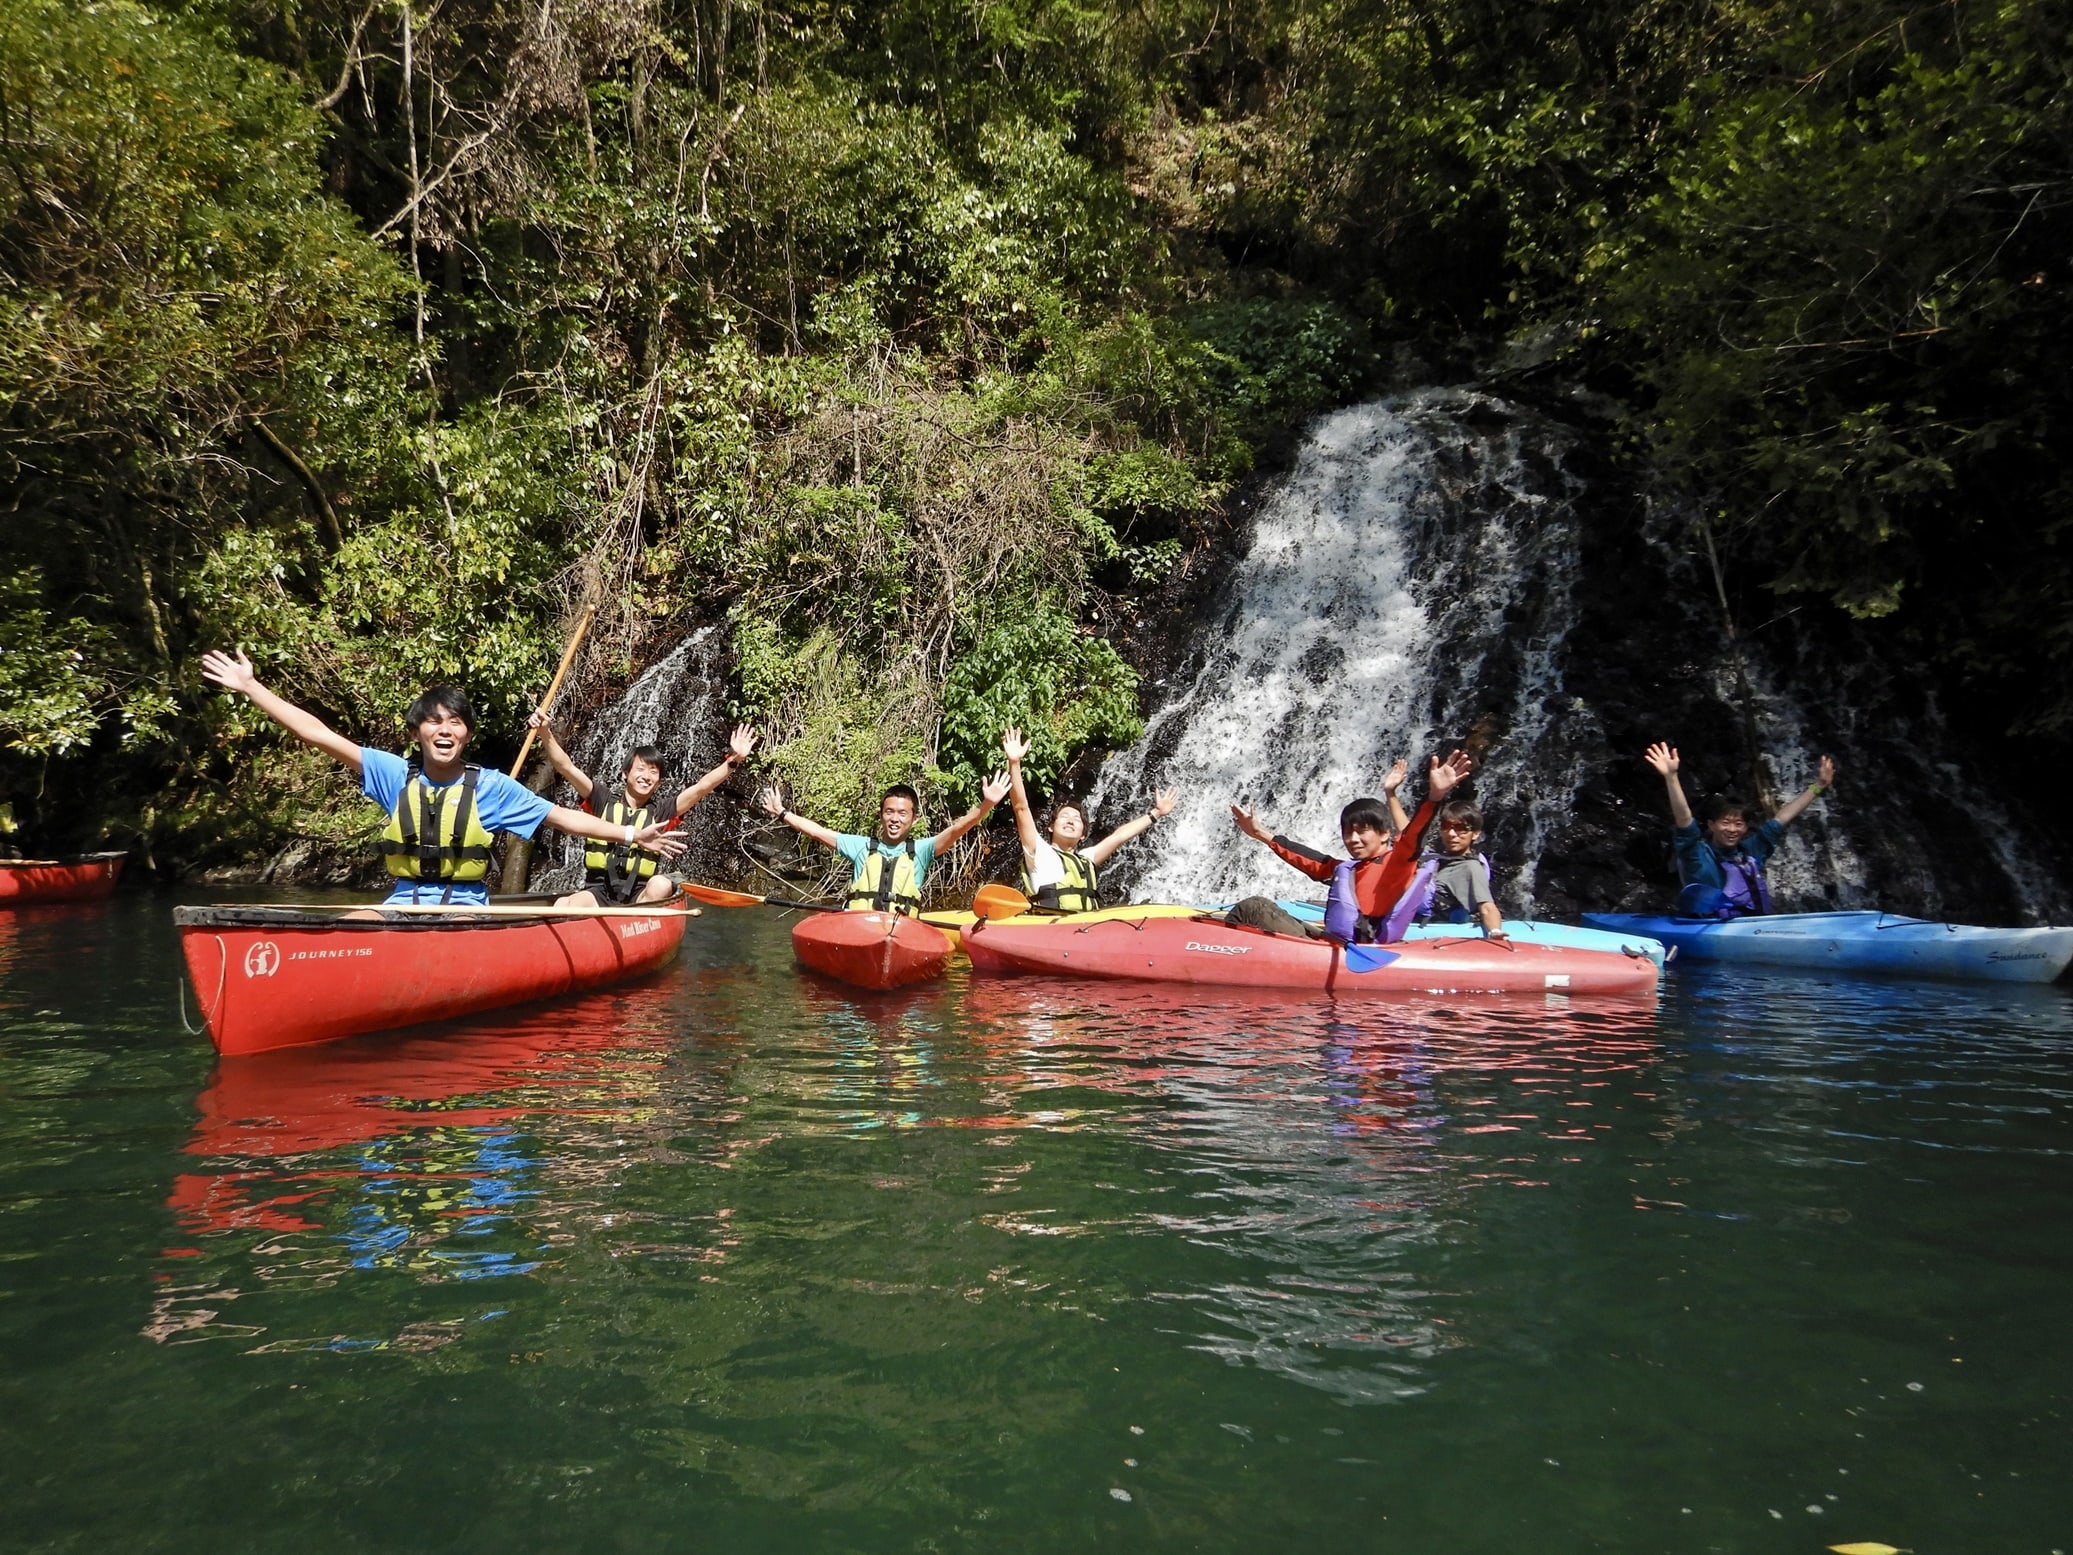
(886, 871)
(616, 872)
(1364, 888)
(443, 811)
(1720, 867)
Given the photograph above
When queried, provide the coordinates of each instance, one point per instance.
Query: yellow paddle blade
(999, 901)
(714, 896)
(1864, 1549)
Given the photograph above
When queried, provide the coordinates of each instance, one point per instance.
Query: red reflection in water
(585, 1059)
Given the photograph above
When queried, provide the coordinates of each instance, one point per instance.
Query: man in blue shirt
(886, 871)
(442, 811)
(1722, 868)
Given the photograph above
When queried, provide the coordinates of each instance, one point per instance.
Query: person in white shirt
(1059, 874)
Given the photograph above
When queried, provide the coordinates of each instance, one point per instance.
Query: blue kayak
(1525, 932)
(1859, 942)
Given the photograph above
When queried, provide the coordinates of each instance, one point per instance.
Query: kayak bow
(876, 950)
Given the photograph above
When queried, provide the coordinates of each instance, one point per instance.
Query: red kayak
(268, 977)
(25, 881)
(871, 949)
(1205, 951)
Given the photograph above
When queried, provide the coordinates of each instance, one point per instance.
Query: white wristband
(629, 834)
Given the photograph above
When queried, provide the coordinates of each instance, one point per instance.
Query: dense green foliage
(376, 337)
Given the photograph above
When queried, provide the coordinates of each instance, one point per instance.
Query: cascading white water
(677, 704)
(1409, 585)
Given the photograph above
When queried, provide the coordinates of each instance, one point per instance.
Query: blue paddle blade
(1368, 958)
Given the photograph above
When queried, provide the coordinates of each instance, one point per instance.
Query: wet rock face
(679, 704)
(1445, 568)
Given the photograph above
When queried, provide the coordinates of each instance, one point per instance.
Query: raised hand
(1163, 805)
(1441, 776)
(1824, 771)
(772, 801)
(742, 742)
(995, 788)
(1398, 771)
(1249, 822)
(1663, 757)
(232, 671)
(1013, 746)
(657, 840)
(539, 720)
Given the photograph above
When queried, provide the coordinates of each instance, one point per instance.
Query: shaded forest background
(923, 343)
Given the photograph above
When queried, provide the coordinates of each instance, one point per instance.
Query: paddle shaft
(459, 909)
(561, 670)
(717, 896)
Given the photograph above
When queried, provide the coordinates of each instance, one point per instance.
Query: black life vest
(617, 870)
(1079, 891)
(886, 882)
(411, 844)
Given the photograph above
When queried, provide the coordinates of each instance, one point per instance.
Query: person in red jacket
(1373, 877)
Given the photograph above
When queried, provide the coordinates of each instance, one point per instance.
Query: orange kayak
(26, 881)
(1204, 951)
(871, 949)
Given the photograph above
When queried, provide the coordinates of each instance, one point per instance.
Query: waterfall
(1409, 587)
(679, 704)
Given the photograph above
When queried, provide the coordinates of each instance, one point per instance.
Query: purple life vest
(1743, 885)
(1415, 905)
(1341, 906)
(1412, 904)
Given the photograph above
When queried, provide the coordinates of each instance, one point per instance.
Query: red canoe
(1204, 951)
(24, 881)
(871, 949)
(268, 978)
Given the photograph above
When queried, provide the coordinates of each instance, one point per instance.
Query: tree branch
(293, 460)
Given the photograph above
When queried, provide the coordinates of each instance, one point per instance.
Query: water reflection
(1269, 1177)
(450, 1154)
(1307, 1146)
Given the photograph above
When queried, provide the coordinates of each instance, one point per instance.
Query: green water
(730, 1260)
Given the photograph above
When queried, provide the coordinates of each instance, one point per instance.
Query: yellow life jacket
(434, 832)
(1079, 891)
(620, 870)
(885, 883)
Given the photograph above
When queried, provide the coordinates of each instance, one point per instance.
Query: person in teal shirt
(886, 871)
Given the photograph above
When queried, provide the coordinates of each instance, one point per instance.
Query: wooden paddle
(466, 910)
(713, 896)
(518, 851)
(561, 670)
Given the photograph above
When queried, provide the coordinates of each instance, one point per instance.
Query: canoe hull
(1206, 953)
(1873, 943)
(1525, 931)
(267, 979)
(876, 950)
(28, 883)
